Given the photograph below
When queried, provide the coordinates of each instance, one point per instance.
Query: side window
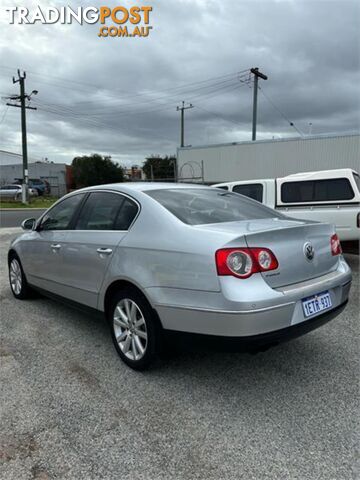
(224, 187)
(126, 215)
(308, 191)
(59, 217)
(100, 211)
(251, 190)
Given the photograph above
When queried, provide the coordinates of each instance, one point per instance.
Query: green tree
(95, 170)
(160, 168)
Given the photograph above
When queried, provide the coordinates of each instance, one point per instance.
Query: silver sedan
(182, 259)
(14, 192)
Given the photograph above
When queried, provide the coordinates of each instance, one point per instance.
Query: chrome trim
(92, 190)
(213, 310)
(105, 251)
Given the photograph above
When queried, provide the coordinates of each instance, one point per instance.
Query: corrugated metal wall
(268, 159)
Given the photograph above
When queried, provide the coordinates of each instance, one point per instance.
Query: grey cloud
(309, 49)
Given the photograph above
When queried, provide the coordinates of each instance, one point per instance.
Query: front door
(47, 243)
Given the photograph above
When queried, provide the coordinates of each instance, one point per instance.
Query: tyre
(134, 328)
(17, 279)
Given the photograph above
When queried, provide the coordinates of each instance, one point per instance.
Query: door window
(106, 211)
(251, 190)
(60, 216)
(126, 216)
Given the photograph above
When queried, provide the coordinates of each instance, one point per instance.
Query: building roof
(320, 136)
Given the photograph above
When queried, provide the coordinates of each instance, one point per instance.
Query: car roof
(320, 174)
(142, 186)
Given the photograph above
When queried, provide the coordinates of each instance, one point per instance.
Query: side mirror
(28, 224)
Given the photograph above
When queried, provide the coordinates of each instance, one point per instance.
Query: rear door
(101, 225)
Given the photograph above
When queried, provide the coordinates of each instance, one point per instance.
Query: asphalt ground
(14, 217)
(70, 409)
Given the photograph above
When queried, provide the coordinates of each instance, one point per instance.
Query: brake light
(335, 245)
(243, 262)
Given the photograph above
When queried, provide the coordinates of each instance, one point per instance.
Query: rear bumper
(270, 310)
(254, 342)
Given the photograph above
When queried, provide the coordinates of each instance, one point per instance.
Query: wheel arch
(120, 284)
(12, 253)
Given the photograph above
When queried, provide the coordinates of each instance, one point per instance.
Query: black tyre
(134, 328)
(17, 279)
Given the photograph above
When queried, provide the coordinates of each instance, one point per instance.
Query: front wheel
(18, 282)
(134, 328)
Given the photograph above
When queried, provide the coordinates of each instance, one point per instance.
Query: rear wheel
(18, 282)
(134, 328)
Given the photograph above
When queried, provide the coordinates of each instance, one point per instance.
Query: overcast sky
(118, 96)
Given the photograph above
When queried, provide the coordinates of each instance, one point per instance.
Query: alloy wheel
(130, 329)
(15, 276)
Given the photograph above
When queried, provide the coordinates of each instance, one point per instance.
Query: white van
(331, 196)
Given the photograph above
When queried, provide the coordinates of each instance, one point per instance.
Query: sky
(118, 96)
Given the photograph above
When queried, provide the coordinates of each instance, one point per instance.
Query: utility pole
(182, 109)
(257, 74)
(22, 97)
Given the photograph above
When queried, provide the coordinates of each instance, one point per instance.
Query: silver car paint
(174, 266)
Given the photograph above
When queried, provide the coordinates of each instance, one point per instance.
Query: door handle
(106, 251)
(55, 246)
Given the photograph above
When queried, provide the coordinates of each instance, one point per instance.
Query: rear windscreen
(197, 206)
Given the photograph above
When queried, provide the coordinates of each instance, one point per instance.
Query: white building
(56, 174)
(268, 158)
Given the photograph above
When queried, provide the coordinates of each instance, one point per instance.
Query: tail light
(335, 245)
(243, 262)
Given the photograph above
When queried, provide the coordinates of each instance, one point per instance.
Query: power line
(281, 113)
(218, 115)
(162, 106)
(211, 87)
(101, 88)
(4, 115)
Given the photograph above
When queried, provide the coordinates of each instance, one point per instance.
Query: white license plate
(316, 304)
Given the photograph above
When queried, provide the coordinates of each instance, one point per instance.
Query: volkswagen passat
(182, 258)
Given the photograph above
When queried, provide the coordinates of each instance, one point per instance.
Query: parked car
(13, 192)
(327, 196)
(159, 258)
(41, 186)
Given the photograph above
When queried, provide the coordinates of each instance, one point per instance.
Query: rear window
(310, 191)
(205, 206)
(251, 190)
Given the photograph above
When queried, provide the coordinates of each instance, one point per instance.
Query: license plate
(316, 304)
